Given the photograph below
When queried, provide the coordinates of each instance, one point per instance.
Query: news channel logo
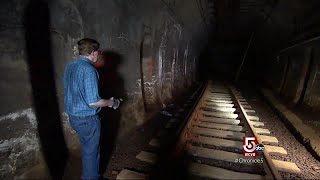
(250, 147)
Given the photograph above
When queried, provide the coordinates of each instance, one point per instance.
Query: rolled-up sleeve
(91, 90)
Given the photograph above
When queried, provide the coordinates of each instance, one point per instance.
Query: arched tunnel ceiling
(236, 20)
(226, 21)
(231, 20)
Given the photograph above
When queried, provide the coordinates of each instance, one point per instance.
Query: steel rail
(266, 156)
(183, 129)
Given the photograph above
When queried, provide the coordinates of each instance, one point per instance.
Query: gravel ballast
(297, 153)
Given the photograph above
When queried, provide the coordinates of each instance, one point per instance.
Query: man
(83, 103)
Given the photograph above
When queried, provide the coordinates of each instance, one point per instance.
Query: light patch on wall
(137, 93)
(151, 83)
(139, 83)
(185, 60)
(160, 65)
(20, 147)
(26, 112)
(30, 115)
(75, 51)
(26, 141)
(161, 53)
(17, 150)
(125, 43)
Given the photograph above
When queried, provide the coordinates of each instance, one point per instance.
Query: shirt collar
(83, 58)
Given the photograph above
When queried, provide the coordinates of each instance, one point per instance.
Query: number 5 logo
(249, 144)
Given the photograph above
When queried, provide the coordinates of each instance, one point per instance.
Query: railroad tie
(126, 174)
(154, 142)
(284, 166)
(246, 106)
(219, 133)
(208, 103)
(217, 142)
(242, 100)
(256, 124)
(262, 131)
(221, 109)
(219, 126)
(275, 150)
(218, 114)
(249, 111)
(253, 118)
(147, 157)
(269, 140)
(219, 95)
(219, 120)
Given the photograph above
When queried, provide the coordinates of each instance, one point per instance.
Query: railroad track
(212, 141)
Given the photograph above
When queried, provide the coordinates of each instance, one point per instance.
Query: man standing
(83, 103)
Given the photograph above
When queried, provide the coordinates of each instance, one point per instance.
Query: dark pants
(88, 130)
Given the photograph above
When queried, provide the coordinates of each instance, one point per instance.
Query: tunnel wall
(312, 94)
(291, 72)
(152, 45)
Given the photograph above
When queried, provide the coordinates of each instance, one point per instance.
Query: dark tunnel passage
(155, 54)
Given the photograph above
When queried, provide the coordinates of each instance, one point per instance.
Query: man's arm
(102, 103)
(112, 103)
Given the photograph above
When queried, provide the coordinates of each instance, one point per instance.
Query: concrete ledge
(305, 133)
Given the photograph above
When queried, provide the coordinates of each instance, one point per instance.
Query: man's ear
(91, 54)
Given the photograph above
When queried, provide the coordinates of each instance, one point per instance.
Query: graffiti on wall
(123, 44)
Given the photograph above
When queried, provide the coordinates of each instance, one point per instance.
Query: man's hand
(116, 103)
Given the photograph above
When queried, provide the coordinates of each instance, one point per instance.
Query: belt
(84, 117)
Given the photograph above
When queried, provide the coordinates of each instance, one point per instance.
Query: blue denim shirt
(81, 87)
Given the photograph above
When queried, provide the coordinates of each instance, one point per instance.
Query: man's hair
(87, 45)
